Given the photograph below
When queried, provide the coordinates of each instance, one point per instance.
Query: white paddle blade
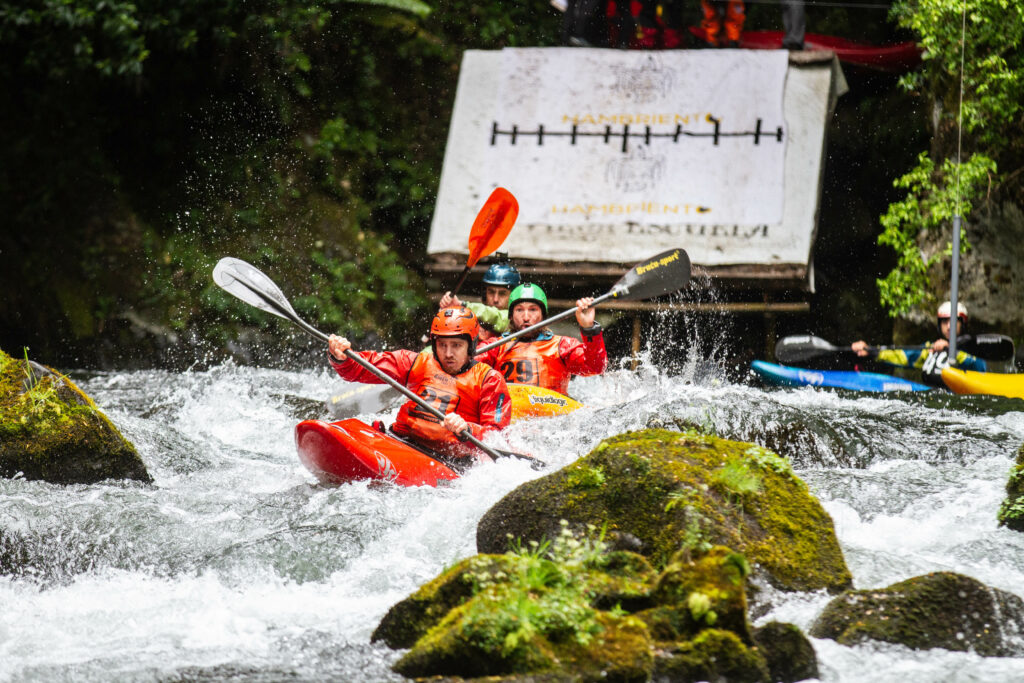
(248, 283)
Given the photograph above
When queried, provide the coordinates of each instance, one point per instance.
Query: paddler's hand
(454, 423)
(860, 348)
(585, 313)
(940, 345)
(337, 346)
(449, 300)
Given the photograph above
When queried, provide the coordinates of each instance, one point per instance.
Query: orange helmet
(457, 321)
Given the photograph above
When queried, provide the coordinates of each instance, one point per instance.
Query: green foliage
(992, 88)
(546, 594)
(586, 477)
(737, 478)
(768, 460)
(145, 139)
(933, 199)
(993, 63)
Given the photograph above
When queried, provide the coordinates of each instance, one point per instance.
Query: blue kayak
(840, 379)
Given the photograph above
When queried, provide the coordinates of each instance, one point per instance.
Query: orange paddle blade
(492, 225)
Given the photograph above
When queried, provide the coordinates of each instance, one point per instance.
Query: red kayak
(350, 450)
(897, 58)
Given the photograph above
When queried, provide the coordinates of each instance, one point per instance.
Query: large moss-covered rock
(578, 611)
(1011, 512)
(50, 430)
(667, 490)
(943, 609)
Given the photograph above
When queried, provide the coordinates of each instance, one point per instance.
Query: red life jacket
(459, 394)
(534, 362)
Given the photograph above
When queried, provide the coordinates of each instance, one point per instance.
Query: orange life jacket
(459, 394)
(534, 362)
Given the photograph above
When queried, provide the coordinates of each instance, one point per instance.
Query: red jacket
(478, 395)
(548, 361)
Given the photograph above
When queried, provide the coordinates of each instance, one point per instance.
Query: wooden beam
(738, 307)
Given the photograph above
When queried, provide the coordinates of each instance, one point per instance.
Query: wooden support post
(769, 330)
(636, 341)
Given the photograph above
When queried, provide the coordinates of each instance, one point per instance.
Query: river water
(236, 565)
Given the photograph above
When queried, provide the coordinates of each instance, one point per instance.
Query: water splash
(236, 564)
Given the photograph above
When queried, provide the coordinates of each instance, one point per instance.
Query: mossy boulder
(938, 610)
(50, 430)
(693, 594)
(789, 653)
(667, 491)
(714, 655)
(1011, 512)
(410, 619)
(577, 610)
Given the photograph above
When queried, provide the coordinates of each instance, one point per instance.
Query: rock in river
(52, 431)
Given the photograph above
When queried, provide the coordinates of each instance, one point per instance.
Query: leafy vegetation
(545, 593)
(146, 139)
(991, 66)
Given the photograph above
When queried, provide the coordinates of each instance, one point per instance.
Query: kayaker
(499, 281)
(543, 358)
(471, 394)
(932, 357)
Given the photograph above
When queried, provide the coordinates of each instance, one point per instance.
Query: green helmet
(528, 292)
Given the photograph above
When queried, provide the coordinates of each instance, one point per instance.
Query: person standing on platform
(723, 17)
(794, 22)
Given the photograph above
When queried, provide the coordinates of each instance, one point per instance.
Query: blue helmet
(502, 274)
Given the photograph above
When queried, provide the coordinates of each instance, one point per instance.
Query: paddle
(491, 227)
(249, 284)
(798, 348)
(662, 274)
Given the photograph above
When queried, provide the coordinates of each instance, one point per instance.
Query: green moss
(661, 487)
(707, 591)
(410, 619)
(788, 653)
(942, 609)
(713, 655)
(53, 431)
(532, 611)
(586, 477)
(1011, 512)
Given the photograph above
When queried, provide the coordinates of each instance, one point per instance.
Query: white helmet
(946, 307)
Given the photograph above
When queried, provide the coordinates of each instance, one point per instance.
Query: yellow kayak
(530, 401)
(527, 401)
(995, 383)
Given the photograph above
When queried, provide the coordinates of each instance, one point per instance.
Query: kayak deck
(530, 401)
(527, 401)
(351, 450)
(993, 383)
(785, 375)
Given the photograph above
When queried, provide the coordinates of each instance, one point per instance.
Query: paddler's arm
(909, 358)
(495, 406)
(964, 360)
(587, 357)
(394, 364)
(494, 318)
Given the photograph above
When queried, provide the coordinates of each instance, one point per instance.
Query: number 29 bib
(537, 363)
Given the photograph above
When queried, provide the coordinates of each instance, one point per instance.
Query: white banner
(614, 155)
(684, 135)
